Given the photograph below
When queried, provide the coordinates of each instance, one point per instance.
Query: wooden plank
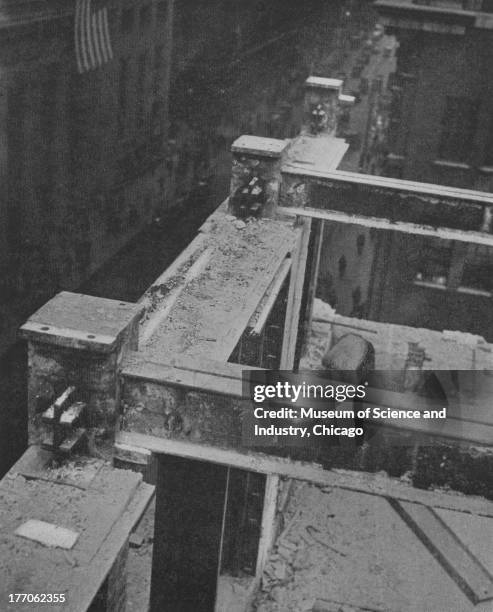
(268, 529)
(295, 295)
(312, 285)
(395, 226)
(190, 379)
(229, 382)
(372, 484)
(336, 323)
(83, 588)
(131, 454)
(224, 348)
(452, 554)
(105, 500)
(426, 9)
(136, 364)
(258, 322)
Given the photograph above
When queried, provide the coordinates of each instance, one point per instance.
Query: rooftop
(74, 320)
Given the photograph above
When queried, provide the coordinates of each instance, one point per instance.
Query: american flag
(91, 35)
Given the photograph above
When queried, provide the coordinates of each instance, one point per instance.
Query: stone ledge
(259, 146)
(77, 321)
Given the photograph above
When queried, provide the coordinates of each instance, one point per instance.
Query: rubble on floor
(344, 551)
(233, 593)
(447, 350)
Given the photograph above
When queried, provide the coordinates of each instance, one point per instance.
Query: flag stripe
(107, 32)
(85, 58)
(90, 48)
(83, 47)
(78, 57)
(101, 35)
(91, 36)
(96, 41)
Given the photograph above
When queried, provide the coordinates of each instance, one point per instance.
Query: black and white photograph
(246, 306)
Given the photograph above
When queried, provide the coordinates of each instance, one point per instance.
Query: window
(433, 262)
(458, 129)
(127, 20)
(486, 6)
(477, 273)
(467, 268)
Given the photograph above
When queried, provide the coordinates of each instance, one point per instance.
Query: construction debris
(343, 551)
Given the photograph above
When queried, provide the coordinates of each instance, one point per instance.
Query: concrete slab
(321, 154)
(354, 549)
(96, 522)
(455, 558)
(475, 532)
(73, 320)
(259, 145)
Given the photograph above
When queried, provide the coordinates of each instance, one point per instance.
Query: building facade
(441, 110)
(89, 157)
(83, 146)
(436, 126)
